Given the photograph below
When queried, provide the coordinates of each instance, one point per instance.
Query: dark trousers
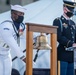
(66, 68)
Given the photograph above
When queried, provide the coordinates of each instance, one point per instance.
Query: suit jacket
(66, 34)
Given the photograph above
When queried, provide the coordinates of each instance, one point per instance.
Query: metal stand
(52, 30)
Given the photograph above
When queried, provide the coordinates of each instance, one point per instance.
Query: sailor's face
(17, 13)
(18, 16)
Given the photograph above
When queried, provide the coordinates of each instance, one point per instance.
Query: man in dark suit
(66, 34)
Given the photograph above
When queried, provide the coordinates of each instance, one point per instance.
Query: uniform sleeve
(7, 36)
(60, 38)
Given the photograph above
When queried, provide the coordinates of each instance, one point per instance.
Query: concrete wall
(5, 4)
(21, 2)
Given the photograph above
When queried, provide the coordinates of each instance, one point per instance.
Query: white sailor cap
(18, 8)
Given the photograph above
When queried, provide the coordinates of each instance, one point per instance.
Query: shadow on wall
(7, 2)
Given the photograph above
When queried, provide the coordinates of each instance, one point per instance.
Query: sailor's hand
(24, 60)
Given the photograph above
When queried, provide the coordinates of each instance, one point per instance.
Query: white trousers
(5, 64)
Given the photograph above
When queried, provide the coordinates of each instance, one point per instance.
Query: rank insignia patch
(65, 25)
(6, 28)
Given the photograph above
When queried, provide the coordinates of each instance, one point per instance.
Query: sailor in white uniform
(9, 31)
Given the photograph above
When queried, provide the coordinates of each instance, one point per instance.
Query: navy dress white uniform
(66, 36)
(8, 41)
